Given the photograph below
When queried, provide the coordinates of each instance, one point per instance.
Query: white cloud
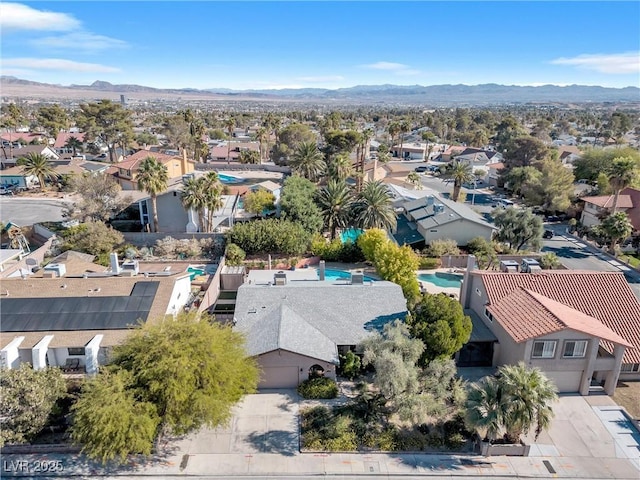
(83, 41)
(56, 64)
(617, 63)
(386, 66)
(15, 16)
(321, 79)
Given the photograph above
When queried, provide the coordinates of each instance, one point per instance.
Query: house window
(544, 349)
(487, 314)
(76, 351)
(630, 367)
(575, 349)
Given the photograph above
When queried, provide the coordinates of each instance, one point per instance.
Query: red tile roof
(131, 162)
(21, 136)
(606, 201)
(605, 296)
(63, 137)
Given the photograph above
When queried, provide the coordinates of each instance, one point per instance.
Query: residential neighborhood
(282, 279)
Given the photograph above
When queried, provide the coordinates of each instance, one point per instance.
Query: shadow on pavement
(275, 441)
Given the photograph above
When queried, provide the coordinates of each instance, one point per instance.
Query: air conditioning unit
(509, 266)
(530, 265)
(130, 266)
(54, 270)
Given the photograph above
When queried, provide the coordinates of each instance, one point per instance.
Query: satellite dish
(31, 262)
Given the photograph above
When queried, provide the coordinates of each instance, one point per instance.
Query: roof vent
(530, 265)
(130, 266)
(357, 278)
(280, 278)
(438, 208)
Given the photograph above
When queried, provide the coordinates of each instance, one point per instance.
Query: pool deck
(434, 289)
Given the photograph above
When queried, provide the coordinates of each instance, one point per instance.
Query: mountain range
(434, 95)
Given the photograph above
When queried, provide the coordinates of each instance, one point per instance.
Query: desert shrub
(234, 254)
(166, 247)
(189, 248)
(444, 246)
(434, 439)
(322, 429)
(387, 439)
(454, 441)
(320, 387)
(350, 365)
(429, 263)
(411, 440)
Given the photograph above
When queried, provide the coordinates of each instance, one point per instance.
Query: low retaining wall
(27, 449)
(488, 449)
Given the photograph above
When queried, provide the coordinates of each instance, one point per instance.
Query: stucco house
(596, 208)
(410, 151)
(433, 218)
(582, 328)
(296, 324)
(72, 312)
(478, 158)
(127, 170)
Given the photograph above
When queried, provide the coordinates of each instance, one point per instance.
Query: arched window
(316, 371)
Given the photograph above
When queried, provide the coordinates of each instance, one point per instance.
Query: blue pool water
(331, 275)
(351, 235)
(441, 279)
(194, 272)
(229, 179)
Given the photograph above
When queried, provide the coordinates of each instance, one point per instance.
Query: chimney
(115, 268)
(465, 287)
(321, 270)
(183, 163)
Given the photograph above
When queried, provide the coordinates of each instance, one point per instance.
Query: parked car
(548, 234)
(6, 189)
(420, 169)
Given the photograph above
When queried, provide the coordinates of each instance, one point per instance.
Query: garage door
(566, 382)
(279, 377)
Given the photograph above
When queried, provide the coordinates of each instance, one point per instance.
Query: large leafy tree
(308, 162)
(28, 398)
(289, 139)
(554, 189)
(100, 198)
(441, 324)
(335, 201)
(95, 238)
(107, 121)
(518, 227)
(39, 166)
(110, 422)
(525, 151)
(595, 161)
(259, 201)
(374, 208)
(152, 178)
(297, 203)
(615, 227)
(514, 402)
(622, 172)
(181, 374)
(460, 173)
(270, 236)
(53, 119)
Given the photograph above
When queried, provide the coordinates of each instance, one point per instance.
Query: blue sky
(245, 45)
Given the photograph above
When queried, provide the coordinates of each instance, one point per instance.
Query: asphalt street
(25, 211)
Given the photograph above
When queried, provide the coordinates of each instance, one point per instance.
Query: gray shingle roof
(424, 213)
(305, 316)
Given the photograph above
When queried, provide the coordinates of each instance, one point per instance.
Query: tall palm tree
(152, 178)
(193, 197)
(263, 137)
(365, 137)
(460, 173)
(249, 156)
(403, 127)
(213, 196)
(336, 201)
(74, 144)
(38, 165)
(341, 168)
(308, 161)
(621, 174)
(373, 208)
(230, 124)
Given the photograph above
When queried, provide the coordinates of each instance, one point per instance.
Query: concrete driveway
(261, 423)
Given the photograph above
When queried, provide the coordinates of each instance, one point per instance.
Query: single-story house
(410, 151)
(297, 325)
(581, 328)
(10, 156)
(218, 153)
(433, 218)
(72, 318)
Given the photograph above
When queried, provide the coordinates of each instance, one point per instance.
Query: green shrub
(443, 246)
(350, 365)
(273, 236)
(454, 441)
(429, 263)
(234, 254)
(320, 387)
(387, 439)
(411, 440)
(336, 251)
(434, 439)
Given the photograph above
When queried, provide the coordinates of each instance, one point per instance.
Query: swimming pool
(441, 279)
(194, 272)
(351, 235)
(224, 178)
(331, 275)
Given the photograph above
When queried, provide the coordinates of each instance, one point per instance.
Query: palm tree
(263, 137)
(213, 196)
(373, 208)
(152, 178)
(193, 197)
(38, 165)
(249, 156)
(460, 173)
(74, 144)
(615, 227)
(335, 200)
(365, 137)
(341, 167)
(515, 401)
(393, 129)
(414, 179)
(308, 162)
(403, 128)
(622, 173)
(230, 124)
